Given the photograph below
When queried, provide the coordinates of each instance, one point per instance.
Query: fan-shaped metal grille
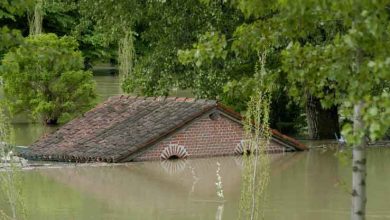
(174, 151)
(239, 150)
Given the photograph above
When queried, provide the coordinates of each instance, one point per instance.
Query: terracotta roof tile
(117, 128)
(122, 125)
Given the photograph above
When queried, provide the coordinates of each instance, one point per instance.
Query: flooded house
(126, 128)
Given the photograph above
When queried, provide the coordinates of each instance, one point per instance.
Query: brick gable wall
(203, 137)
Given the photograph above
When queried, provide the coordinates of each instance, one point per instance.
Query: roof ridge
(166, 98)
(126, 125)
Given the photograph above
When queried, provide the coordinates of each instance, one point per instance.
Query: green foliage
(237, 57)
(60, 16)
(111, 18)
(355, 65)
(237, 93)
(285, 21)
(168, 26)
(44, 78)
(110, 23)
(10, 180)
(334, 50)
(9, 38)
(65, 17)
(255, 177)
(210, 46)
(256, 8)
(36, 17)
(247, 38)
(10, 10)
(126, 56)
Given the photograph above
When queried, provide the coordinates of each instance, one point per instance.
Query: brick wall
(203, 137)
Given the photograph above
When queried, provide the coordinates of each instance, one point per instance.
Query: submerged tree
(263, 29)
(356, 65)
(44, 78)
(255, 176)
(334, 51)
(10, 187)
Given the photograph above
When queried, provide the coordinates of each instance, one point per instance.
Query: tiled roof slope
(119, 127)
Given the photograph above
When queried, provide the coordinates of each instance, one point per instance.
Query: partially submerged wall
(208, 136)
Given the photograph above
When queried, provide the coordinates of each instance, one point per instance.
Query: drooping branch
(35, 18)
(126, 55)
(256, 160)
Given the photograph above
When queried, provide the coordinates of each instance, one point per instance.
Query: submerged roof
(122, 125)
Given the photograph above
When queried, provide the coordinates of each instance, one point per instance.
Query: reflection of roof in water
(196, 181)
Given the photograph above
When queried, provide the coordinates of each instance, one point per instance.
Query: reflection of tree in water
(166, 182)
(220, 193)
(194, 178)
(219, 214)
(149, 186)
(274, 158)
(256, 171)
(10, 166)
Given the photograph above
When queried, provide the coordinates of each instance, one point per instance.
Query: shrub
(44, 77)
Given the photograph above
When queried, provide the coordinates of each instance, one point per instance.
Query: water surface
(303, 186)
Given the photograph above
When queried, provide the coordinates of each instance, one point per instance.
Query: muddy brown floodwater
(303, 186)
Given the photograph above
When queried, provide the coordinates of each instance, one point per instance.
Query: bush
(44, 77)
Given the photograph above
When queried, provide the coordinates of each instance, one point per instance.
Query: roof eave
(289, 141)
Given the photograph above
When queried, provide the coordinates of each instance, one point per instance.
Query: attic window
(174, 152)
(239, 150)
(214, 116)
(173, 157)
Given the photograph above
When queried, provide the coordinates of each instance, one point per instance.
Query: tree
(10, 10)
(112, 24)
(256, 161)
(35, 17)
(355, 64)
(64, 17)
(335, 51)
(10, 180)
(44, 78)
(262, 30)
(166, 27)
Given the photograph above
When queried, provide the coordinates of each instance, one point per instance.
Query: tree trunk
(322, 123)
(35, 18)
(52, 121)
(359, 172)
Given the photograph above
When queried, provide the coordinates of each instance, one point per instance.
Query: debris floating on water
(10, 160)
